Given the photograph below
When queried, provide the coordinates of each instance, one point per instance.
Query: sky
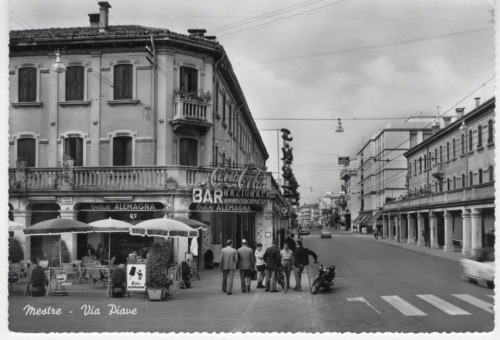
(304, 64)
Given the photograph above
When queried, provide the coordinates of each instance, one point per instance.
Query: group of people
(100, 254)
(293, 256)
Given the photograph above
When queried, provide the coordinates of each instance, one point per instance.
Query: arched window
(462, 143)
(471, 178)
(490, 131)
(454, 148)
(480, 176)
(491, 173)
(436, 187)
(448, 184)
(420, 163)
(425, 161)
(470, 140)
(415, 163)
(435, 156)
(447, 151)
(454, 182)
(440, 154)
(479, 136)
(463, 180)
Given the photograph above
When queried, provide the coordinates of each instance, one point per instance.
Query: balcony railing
(481, 191)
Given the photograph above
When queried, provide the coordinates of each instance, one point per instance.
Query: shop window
(480, 176)
(122, 151)
(188, 152)
(27, 85)
(189, 80)
(479, 136)
(491, 173)
(26, 151)
(123, 82)
(490, 131)
(73, 147)
(74, 83)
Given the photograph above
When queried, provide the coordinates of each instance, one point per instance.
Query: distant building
(451, 196)
(382, 167)
(350, 184)
(308, 214)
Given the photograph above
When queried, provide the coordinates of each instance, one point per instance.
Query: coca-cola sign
(248, 178)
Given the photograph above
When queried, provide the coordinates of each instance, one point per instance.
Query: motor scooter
(325, 278)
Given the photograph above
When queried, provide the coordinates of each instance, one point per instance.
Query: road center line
(443, 305)
(475, 301)
(403, 306)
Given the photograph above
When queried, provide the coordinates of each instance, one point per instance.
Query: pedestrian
(246, 263)
(90, 250)
(101, 253)
(287, 262)
(228, 262)
(272, 259)
(300, 260)
(260, 264)
(290, 240)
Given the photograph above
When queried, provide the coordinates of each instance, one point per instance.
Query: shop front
(236, 204)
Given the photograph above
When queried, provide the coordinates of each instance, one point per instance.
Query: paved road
(379, 288)
(385, 288)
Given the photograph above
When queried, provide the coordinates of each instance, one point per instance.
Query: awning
(361, 219)
(375, 217)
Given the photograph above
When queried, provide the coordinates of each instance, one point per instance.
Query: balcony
(41, 181)
(485, 191)
(191, 111)
(438, 171)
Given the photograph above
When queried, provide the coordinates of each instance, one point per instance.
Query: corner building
(146, 129)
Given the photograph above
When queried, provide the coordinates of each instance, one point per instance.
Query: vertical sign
(136, 277)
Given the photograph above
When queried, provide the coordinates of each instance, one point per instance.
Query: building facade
(382, 166)
(134, 133)
(451, 197)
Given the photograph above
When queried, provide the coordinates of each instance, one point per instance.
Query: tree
(16, 252)
(64, 255)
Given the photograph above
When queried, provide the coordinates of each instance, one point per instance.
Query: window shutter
(26, 150)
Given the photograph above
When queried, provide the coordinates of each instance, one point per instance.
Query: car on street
(480, 268)
(304, 231)
(326, 234)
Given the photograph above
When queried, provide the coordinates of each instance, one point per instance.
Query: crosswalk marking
(403, 306)
(443, 305)
(361, 299)
(475, 301)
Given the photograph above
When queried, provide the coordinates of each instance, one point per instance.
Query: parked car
(480, 268)
(326, 234)
(304, 231)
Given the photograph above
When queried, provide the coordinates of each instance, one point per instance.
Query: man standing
(300, 260)
(246, 262)
(228, 261)
(290, 240)
(272, 258)
(101, 253)
(287, 262)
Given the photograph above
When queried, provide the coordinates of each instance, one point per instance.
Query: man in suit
(272, 257)
(228, 261)
(246, 263)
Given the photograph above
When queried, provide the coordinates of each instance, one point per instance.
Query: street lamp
(339, 127)
(58, 66)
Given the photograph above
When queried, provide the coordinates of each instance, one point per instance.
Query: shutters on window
(74, 83)
(26, 151)
(27, 85)
(123, 82)
(188, 152)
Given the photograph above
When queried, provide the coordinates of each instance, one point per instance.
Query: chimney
(197, 32)
(446, 121)
(103, 17)
(435, 127)
(477, 101)
(94, 19)
(460, 112)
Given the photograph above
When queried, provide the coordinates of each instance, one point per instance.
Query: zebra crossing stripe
(403, 306)
(445, 306)
(475, 301)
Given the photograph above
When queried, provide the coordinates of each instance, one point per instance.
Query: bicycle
(281, 279)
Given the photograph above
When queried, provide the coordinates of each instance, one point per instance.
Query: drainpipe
(153, 102)
(215, 94)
